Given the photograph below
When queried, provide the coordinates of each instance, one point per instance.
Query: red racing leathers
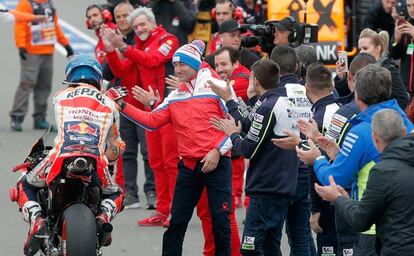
(144, 65)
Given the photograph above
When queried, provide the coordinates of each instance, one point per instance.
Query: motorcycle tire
(79, 231)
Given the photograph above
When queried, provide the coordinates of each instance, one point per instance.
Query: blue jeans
(263, 228)
(188, 188)
(297, 222)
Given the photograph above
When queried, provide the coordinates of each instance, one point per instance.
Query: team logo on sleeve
(248, 243)
(258, 118)
(165, 48)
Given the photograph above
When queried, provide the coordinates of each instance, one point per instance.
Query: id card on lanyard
(410, 49)
(43, 33)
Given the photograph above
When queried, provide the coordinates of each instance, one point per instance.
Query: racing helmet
(84, 68)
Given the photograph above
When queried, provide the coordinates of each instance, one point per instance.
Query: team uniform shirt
(272, 171)
(240, 81)
(215, 43)
(100, 47)
(340, 124)
(323, 112)
(358, 154)
(145, 62)
(38, 37)
(84, 117)
(189, 109)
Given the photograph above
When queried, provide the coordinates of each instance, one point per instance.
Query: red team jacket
(100, 48)
(189, 109)
(240, 77)
(144, 63)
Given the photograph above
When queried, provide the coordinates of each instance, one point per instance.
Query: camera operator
(285, 32)
(230, 36)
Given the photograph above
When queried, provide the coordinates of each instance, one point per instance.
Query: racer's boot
(107, 212)
(32, 213)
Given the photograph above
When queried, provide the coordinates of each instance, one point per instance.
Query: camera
(263, 35)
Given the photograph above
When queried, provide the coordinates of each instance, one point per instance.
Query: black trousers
(188, 189)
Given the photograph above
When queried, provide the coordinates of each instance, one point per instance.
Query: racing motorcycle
(70, 200)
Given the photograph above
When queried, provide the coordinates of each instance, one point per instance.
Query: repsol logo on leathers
(87, 92)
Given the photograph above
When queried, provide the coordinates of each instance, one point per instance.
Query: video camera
(263, 35)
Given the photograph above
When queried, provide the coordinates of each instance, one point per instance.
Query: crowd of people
(316, 152)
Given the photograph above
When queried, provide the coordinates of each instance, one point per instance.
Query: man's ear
(404, 131)
(237, 64)
(376, 139)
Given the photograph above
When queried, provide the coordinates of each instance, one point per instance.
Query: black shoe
(16, 124)
(151, 200)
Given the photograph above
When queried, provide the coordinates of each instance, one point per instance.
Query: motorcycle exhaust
(80, 164)
(104, 236)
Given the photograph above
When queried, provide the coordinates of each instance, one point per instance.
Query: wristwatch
(152, 103)
(121, 105)
(123, 48)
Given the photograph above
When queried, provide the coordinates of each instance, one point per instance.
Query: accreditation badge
(410, 49)
(43, 33)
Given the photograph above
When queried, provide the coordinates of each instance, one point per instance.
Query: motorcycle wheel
(79, 231)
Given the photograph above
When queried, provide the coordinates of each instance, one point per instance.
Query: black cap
(230, 26)
(285, 24)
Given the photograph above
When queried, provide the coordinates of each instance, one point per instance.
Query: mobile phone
(304, 145)
(400, 8)
(343, 59)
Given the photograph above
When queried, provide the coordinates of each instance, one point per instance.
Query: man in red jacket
(95, 17)
(204, 151)
(228, 67)
(144, 65)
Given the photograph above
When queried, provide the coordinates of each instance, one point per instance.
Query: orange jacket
(23, 35)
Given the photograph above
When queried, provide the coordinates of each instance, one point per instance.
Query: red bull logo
(82, 128)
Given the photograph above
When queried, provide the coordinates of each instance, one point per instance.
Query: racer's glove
(69, 51)
(23, 53)
(117, 93)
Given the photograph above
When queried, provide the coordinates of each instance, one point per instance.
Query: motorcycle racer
(84, 116)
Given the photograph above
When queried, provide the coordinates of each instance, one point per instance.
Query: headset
(106, 15)
(293, 35)
(238, 12)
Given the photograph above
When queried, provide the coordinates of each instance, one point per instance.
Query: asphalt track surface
(128, 238)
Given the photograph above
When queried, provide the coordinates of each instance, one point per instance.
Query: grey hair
(122, 4)
(388, 125)
(306, 55)
(139, 11)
